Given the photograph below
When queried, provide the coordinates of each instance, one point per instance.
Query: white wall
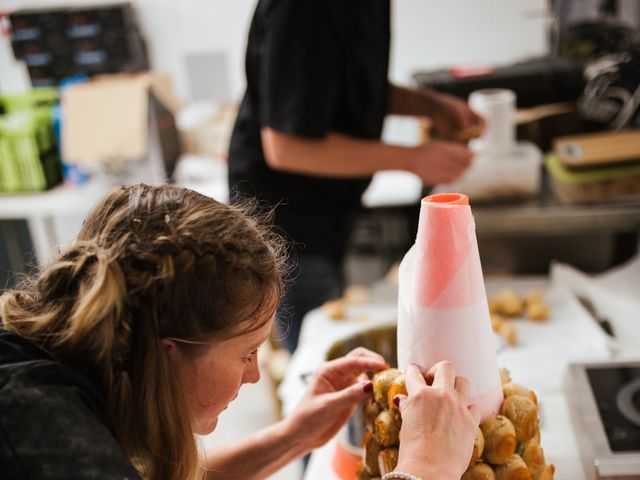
(441, 33)
(426, 33)
(177, 27)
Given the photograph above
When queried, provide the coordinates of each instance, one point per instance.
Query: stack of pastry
(382, 425)
(507, 445)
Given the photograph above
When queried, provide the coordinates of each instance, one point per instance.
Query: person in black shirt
(307, 136)
(143, 331)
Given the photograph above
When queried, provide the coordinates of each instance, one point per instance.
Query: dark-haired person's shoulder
(52, 424)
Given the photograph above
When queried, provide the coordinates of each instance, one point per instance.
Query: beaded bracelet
(399, 476)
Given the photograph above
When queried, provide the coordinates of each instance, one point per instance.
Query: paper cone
(442, 309)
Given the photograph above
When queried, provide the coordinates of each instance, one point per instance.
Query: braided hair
(151, 263)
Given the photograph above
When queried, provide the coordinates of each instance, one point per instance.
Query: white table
(538, 362)
(54, 216)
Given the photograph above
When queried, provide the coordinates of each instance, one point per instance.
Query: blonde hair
(151, 263)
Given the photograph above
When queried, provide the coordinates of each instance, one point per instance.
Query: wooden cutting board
(598, 148)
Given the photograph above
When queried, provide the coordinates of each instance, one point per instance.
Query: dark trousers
(316, 279)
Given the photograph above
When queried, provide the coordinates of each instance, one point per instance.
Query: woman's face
(212, 379)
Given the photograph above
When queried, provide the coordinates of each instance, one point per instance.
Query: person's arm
(262, 454)
(330, 400)
(338, 155)
(335, 155)
(450, 115)
(410, 102)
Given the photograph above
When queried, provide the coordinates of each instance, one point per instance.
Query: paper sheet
(615, 295)
(442, 305)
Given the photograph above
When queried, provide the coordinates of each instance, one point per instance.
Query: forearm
(336, 155)
(259, 456)
(411, 102)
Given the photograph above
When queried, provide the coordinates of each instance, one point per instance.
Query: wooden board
(598, 148)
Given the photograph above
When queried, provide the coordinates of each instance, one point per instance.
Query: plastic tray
(594, 185)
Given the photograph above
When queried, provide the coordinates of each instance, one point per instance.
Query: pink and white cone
(442, 304)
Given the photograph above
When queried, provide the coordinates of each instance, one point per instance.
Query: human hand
(451, 115)
(333, 394)
(439, 161)
(438, 429)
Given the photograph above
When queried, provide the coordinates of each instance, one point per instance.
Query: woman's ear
(170, 346)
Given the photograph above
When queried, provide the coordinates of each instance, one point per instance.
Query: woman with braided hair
(143, 331)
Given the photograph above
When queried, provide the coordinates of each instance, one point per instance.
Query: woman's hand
(440, 161)
(333, 394)
(438, 429)
(451, 116)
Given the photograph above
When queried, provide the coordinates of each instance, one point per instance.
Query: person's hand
(451, 116)
(333, 394)
(440, 161)
(438, 429)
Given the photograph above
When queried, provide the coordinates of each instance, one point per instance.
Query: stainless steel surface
(600, 462)
(547, 215)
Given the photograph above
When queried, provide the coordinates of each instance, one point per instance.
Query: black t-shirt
(313, 67)
(54, 422)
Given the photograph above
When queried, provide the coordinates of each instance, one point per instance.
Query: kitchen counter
(538, 361)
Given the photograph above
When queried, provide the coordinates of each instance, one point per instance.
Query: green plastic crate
(29, 159)
(34, 99)
(25, 163)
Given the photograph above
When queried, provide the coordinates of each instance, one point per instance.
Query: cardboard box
(207, 135)
(119, 120)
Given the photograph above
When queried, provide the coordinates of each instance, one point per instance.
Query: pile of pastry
(507, 446)
(508, 304)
